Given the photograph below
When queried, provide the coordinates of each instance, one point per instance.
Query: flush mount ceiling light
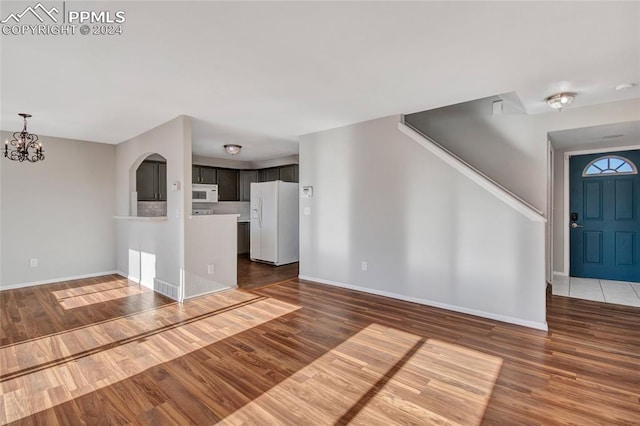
(626, 86)
(560, 100)
(232, 149)
(24, 145)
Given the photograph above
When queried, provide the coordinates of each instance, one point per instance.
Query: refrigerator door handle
(260, 216)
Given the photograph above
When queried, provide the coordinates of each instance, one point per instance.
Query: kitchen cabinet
(227, 185)
(208, 175)
(151, 181)
(235, 185)
(246, 178)
(244, 235)
(162, 181)
(289, 173)
(203, 174)
(268, 175)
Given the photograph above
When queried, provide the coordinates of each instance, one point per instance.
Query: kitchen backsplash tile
(152, 208)
(159, 208)
(226, 207)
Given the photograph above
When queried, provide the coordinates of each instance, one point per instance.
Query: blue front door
(604, 216)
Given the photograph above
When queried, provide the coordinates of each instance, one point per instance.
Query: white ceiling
(264, 73)
(209, 139)
(608, 135)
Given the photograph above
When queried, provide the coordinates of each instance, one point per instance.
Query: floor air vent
(166, 289)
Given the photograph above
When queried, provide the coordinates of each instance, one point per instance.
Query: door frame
(565, 223)
(550, 208)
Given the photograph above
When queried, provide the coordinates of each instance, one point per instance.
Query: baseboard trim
(57, 280)
(209, 292)
(561, 273)
(153, 286)
(503, 318)
(135, 280)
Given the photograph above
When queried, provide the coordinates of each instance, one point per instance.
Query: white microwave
(203, 193)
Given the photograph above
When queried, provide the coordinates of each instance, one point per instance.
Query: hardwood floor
(252, 275)
(302, 353)
(39, 311)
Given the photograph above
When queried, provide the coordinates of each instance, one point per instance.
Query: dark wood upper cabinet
(151, 181)
(208, 175)
(145, 181)
(246, 178)
(162, 181)
(195, 174)
(289, 173)
(228, 185)
(268, 175)
(235, 185)
(203, 174)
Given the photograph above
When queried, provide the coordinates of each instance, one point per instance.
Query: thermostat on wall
(307, 191)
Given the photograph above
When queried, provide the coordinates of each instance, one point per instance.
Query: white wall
(428, 233)
(178, 250)
(59, 211)
(159, 244)
(211, 240)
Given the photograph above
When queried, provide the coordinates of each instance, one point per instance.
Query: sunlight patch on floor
(382, 376)
(45, 372)
(97, 293)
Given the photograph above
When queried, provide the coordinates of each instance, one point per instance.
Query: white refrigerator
(274, 222)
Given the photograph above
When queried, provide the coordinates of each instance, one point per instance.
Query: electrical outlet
(33, 263)
(364, 265)
(211, 269)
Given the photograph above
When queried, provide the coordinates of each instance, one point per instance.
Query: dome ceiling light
(626, 86)
(560, 100)
(232, 149)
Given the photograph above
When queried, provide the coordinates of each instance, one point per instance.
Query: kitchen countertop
(142, 218)
(214, 215)
(241, 218)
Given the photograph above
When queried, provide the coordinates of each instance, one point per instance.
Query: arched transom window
(610, 164)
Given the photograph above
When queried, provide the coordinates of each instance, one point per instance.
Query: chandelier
(24, 145)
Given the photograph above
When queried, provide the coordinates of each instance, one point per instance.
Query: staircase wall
(427, 232)
(513, 150)
(500, 146)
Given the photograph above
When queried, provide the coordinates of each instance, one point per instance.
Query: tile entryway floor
(619, 292)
